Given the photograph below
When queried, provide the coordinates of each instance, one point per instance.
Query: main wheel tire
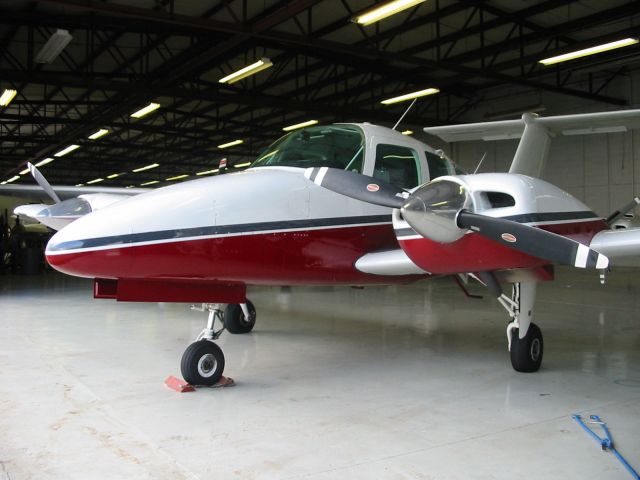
(202, 363)
(235, 320)
(526, 353)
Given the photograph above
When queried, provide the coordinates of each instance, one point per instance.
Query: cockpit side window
(397, 165)
(438, 166)
(336, 146)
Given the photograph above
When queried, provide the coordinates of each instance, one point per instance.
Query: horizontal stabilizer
(578, 124)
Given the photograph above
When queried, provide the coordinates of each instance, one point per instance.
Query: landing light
(385, 10)
(247, 71)
(308, 123)
(64, 151)
(410, 96)
(589, 51)
(146, 110)
(7, 96)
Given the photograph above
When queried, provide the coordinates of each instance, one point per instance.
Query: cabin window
(336, 146)
(397, 165)
(438, 166)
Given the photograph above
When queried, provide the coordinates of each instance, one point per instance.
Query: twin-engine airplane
(349, 204)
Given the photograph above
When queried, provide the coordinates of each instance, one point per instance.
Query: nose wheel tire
(235, 320)
(526, 353)
(202, 363)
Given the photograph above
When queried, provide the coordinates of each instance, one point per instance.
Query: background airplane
(286, 221)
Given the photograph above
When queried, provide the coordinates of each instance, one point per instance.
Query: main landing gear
(203, 361)
(524, 337)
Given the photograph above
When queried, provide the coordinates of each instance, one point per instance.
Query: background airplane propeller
(440, 211)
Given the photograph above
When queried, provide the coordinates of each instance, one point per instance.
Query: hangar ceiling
(126, 54)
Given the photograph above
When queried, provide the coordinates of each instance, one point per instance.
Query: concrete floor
(406, 382)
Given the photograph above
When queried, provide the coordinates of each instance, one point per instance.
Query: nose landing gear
(203, 361)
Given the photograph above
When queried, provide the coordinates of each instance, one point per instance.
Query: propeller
(440, 211)
(46, 186)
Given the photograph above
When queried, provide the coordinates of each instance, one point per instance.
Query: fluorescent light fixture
(146, 110)
(152, 182)
(385, 10)
(24, 172)
(7, 96)
(589, 51)
(100, 133)
(113, 175)
(54, 46)
(44, 162)
(3, 182)
(247, 71)
(148, 167)
(410, 96)
(13, 179)
(64, 151)
(308, 123)
(209, 172)
(408, 132)
(129, 186)
(240, 165)
(177, 177)
(96, 180)
(231, 144)
(79, 184)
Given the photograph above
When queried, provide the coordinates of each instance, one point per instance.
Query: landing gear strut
(524, 337)
(203, 361)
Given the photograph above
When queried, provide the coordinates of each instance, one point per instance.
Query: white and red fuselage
(207, 239)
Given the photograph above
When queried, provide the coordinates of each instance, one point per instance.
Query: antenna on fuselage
(481, 160)
(403, 115)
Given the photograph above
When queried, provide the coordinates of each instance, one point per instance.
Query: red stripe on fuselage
(475, 253)
(315, 257)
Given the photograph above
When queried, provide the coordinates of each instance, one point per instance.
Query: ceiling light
(7, 96)
(240, 165)
(3, 182)
(177, 177)
(410, 96)
(113, 175)
(408, 132)
(231, 144)
(146, 110)
(300, 125)
(149, 183)
(13, 179)
(44, 162)
(54, 46)
(100, 133)
(385, 10)
(208, 172)
(148, 167)
(589, 51)
(24, 172)
(247, 71)
(79, 184)
(97, 180)
(64, 151)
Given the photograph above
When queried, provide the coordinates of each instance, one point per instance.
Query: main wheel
(202, 363)
(526, 353)
(235, 320)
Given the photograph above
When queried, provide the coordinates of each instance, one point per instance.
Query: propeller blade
(46, 186)
(355, 185)
(533, 241)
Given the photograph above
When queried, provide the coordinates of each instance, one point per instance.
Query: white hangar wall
(602, 170)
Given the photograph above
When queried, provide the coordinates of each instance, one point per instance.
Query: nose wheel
(203, 361)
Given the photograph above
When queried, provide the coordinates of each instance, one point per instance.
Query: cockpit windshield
(336, 146)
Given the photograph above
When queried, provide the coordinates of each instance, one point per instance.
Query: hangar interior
(404, 381)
